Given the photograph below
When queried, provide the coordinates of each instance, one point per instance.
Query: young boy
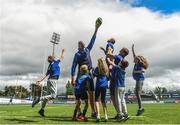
(101, 74)
(83, 81)
(53, 72)
(118, 78)
(118, 58)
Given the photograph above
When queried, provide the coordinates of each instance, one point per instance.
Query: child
(122, 54)
(109, 47)
(53, 72)
(101, 74)
(118, 78)
(138, 74)
(109, 51)
(81, 91)
(118, 58)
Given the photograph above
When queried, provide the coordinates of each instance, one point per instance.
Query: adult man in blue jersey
(82, 57)
(53, 72)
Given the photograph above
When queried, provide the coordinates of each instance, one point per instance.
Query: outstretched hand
(98, 23)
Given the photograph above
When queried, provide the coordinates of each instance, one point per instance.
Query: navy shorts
(81, 96)
(100, 91)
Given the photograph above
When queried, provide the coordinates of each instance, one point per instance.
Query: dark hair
(82, 43)
(124, 63)
(125, 50)
(111, 40)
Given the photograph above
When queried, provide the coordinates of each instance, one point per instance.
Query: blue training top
(118, 76)
(54, 69)
(81, 83)
(102, 80)
(118, 58)
(138, 76)
(83, 57)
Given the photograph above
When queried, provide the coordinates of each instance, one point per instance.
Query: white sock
(106, 117)
(98, 116)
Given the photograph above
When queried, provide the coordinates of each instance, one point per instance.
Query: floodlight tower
(55, 40)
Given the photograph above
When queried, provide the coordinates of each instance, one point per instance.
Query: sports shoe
(126, 116)
(41, 112)
(79, 114)
(120, 118)
(83, 118)
(98, 119)
(140, 112)
(35, 101)
(94, 115)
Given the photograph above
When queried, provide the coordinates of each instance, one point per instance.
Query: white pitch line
(13, 117)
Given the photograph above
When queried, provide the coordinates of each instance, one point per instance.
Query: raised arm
(93, 37)
(91, 43)
(62, 55)
(103, 50)
(134, 55)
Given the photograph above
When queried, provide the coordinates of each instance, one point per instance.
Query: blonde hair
(103, 67)
(143, 61)
(84, 69)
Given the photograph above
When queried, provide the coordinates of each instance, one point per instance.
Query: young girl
(81, 92)
(101, 74)
(138, 74)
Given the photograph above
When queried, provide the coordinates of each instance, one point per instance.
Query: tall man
(53, 72)
(83, 57)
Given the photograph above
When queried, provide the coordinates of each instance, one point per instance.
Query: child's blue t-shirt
(118, 58)
(138, 76)
(102, 80)
(118, 76)
(81, 83)
(54, 69)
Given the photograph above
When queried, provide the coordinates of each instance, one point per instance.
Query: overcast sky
(26, 27)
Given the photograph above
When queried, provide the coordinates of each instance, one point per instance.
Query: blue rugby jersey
(54, 69)
(138, 76)
(83, 57)
(102, 80)
(81, 83)
(118, 76)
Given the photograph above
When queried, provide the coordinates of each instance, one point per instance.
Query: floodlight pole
(55, 40)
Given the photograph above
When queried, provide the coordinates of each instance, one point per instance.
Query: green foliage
(18, 91)
(69, 89)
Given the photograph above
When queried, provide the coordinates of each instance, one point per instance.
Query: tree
(69, 88)
(18, 91)
(160, 90)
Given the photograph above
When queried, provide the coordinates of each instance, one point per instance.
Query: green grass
(61, 114)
